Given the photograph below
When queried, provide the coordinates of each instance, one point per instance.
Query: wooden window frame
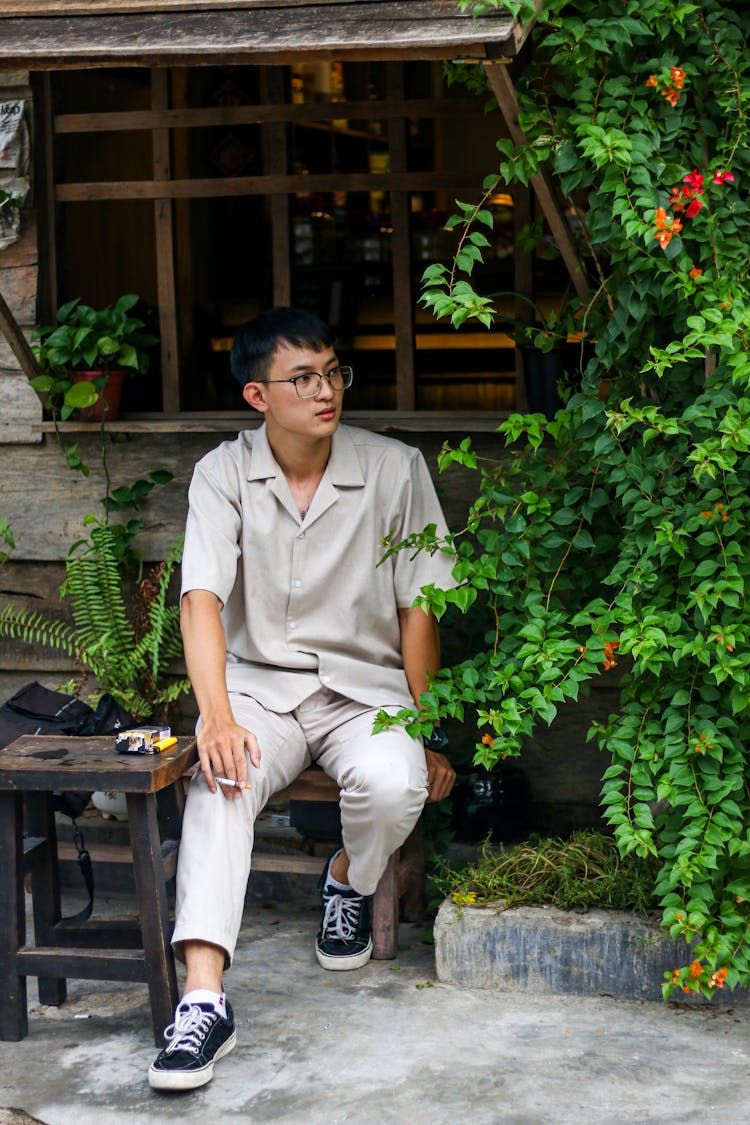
(274, 116)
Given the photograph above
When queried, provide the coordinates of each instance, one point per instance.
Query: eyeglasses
(309, 384)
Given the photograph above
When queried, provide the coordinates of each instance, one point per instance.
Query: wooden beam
(165, 265)
(17, 341)
(179, 118)
(403, 297)
(265, 185)
(276, 163)
(434, 9)
(505, 92)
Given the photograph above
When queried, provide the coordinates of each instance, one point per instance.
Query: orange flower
(718, 978)
(695, 273)
(707, 513)
(678, 76)
(487, 740)
(672, 95)
(652, 80)
(661, 218)
(696, 970)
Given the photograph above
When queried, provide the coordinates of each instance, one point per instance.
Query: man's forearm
(420, 648)
(205, 652)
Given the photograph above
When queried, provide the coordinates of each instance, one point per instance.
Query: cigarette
(234, 784)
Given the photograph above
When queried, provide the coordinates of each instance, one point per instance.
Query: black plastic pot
(542, 372)
(491, 804)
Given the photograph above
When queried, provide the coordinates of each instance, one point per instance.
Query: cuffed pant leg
(217, 834)
(383, 789)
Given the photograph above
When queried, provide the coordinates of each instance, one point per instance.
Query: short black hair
(256, 342)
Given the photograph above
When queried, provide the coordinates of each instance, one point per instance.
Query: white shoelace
(341, 917)
(188, 1030)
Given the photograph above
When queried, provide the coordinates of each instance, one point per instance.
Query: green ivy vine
(616, 536)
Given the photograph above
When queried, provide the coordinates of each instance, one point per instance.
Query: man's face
(315, 416)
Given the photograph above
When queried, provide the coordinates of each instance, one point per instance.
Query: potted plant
(548, 359)
(85, 356)
(125, 632)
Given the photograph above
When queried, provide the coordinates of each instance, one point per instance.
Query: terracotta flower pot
(108, 405)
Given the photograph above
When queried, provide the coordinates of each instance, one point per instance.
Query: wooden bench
(402, 880)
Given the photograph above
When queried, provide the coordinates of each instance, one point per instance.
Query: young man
(294, 638)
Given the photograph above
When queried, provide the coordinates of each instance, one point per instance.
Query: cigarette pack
(141, 740)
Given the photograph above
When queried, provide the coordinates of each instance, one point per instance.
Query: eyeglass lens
(307, 386)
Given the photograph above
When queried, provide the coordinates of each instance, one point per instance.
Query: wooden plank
(387, 29)
(276, 163)
(291, 864)
(381, 421)
(199, 117)
(165, 264)
(502, 85)
(265, 185)
(83, 964)
(403, 297)
(45, 762)
(18, 343)
(432, 8)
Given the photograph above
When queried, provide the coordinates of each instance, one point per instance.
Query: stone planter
(544, 950)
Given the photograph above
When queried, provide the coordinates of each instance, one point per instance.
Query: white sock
(206, 996)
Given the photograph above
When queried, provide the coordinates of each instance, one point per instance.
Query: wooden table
(31, 769)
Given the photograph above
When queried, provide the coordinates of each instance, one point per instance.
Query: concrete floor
(386, 1044)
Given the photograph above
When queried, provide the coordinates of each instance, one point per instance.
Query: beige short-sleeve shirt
(304, 601)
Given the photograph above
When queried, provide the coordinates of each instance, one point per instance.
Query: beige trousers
(382, 780)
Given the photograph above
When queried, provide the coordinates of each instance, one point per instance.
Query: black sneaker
(345, 939)
(197, 1038)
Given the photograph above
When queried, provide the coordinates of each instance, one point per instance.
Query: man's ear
(254, 395)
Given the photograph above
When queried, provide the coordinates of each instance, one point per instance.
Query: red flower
(695, 181)
(693, 208)
(723, 177)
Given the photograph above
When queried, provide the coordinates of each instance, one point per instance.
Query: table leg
(14, 1018)
(154, 914)
(45, 887)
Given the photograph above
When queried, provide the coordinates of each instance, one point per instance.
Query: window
(215, 191)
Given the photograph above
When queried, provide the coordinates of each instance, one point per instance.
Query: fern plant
(127, 648)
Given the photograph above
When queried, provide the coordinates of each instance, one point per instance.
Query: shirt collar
(343, 467)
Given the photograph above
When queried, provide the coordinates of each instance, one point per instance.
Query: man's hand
(221, 749)
(441, 775)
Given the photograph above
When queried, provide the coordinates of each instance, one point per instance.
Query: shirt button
(292, 624)
(297, 583)
(326, 679)
(301, 535)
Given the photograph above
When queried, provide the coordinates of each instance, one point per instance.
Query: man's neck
(298, 459)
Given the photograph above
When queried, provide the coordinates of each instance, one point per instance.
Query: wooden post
(403, 296)
(18, 342)
(276, 163)
(165, 267)
(502, 85)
